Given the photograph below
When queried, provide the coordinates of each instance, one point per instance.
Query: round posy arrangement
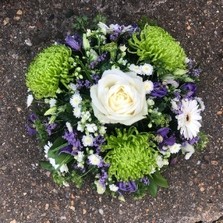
(117, 103)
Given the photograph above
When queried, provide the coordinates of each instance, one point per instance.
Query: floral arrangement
(117, 103)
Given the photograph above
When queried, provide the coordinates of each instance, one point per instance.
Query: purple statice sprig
(74, 42)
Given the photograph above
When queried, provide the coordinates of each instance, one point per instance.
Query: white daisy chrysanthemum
(87, 140)
(94, 159)
(147, 69)
(75, 100)
(188, 120)
(148, 86)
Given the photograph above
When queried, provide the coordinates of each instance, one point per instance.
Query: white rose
(119, 98)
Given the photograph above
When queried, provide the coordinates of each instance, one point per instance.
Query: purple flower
(189, 90)
(30, 126)
(127, 186)
(69, 150)
(167, 139)
(98, 141)
(159, 90)
(145, 180)
(72, 139)
(30, 130)
(50, 127)
(103, 177)
(75, 42)
(100, 59)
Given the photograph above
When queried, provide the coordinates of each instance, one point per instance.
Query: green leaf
(46, 165)
(63, 159)
(160, 180)
(152, 188)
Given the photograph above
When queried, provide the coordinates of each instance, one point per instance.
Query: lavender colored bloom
(69, 150)
(75, 42)
(72, 139)
(103, 177)
(30, 130)
(167, 139)
(189, 90)
(98, 141)
(159, 90)
(145, 180)
(100, 59)
(127, 186)
(50, 127)
(30, 126)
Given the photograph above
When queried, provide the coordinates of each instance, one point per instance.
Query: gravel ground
(28, 194)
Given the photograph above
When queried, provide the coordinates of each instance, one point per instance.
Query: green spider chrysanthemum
(130, 154)
(48, 68)
(159, 47)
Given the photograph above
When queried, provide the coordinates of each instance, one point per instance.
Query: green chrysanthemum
(159, 47)
(130, 154)
(49, 68)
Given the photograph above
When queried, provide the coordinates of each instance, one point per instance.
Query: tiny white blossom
(80, 127)
(150, 102)
(102, 130)
(88, 140)
(161, 162)
(188, 150)
(100, 188)
(85, 116)
(77, 112)
(79, 157)
(146, 69)
(175, 148)
(69, 127)
(64, 168)
(91, 127)
(201, 103)
(52, 102)
(135, 68)
(75, 100)
(148, 86)
(73, 87)
(94, 159)
(174, 104)
(113, 187)
(29, 100)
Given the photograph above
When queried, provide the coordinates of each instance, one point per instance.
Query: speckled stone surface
(27, 193)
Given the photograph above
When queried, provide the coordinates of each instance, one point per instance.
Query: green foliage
(203, 141)
(131, 154)
(76, 179)
(158, 47)
(82, 23)
(41, 131)
(48, 68)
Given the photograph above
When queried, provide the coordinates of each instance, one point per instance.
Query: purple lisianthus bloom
(127, 186)
(189, 90)
(75, 42)
(159, 90)
(166, 138)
